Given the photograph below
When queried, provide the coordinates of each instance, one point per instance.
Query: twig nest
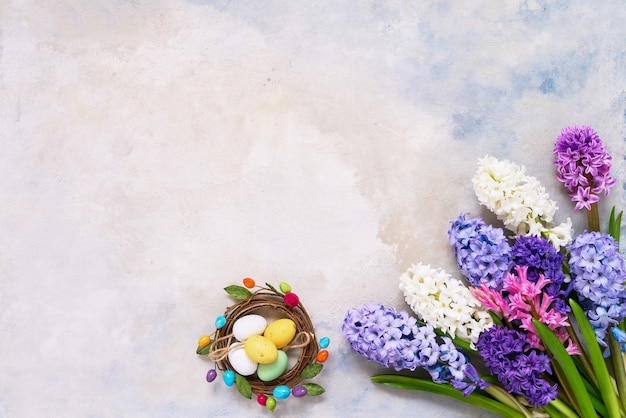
(250, 346)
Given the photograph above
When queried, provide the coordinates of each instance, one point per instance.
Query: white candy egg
(240, 361)
(249, 325)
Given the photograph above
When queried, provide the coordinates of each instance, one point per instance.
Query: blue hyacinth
(598, 275)
(395, 339)
(482, 252)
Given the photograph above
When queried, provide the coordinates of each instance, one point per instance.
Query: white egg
(240, 361)
(247, 326)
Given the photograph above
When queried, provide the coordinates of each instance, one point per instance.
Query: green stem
(506, 398)
(593, 218)
(618, 369)
(600, 370)
(475, 398)
(587, 368)
(567, 390)
(563, 408)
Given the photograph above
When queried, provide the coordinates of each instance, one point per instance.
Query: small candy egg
(211, 375)
(269, 372)
(261, 350)
(240, 361)
(324, 342)
(281, 332)
(270, 404)
(204, 341)
(261, 399)
(247, 326)
(229, 378)
(291, 299)
(220, 321)
(248, 282)
(322, 356)
(285, 287)
(281, 392)
(299, 391)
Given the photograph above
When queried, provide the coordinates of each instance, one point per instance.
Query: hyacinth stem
(567, 391)
(582, 362)
(598, 364)
(618, 368)
(476, 399)
(506, 398)
(593, 218)
(562, 407)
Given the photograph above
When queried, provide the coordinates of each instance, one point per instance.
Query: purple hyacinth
(482, 252)
(519, 367)
(395, 339)
(583, 165)
(598, 274)
(542, 259)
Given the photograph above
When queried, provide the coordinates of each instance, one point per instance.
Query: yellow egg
(260, 350)
(280, 332)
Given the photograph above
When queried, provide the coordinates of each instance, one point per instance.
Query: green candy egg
(271, 371)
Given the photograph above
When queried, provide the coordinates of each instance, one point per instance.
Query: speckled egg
(261, 350)
(249, 325)
(240, 361)
(281, 332)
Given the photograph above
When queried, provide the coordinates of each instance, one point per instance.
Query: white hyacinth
(444, 302)
(519, 201)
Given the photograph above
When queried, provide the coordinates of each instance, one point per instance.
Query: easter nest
(279, 302)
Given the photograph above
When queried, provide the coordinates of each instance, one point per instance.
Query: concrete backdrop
(153, 152)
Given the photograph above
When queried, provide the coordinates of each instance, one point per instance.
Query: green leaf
(313, 389)
(243, 386)
(311, 370)
(204, 350)
(238, 292)
(476, 399)
(618, 369)
(552, 343)
(600, 369)
(615, 224)
(495, 318)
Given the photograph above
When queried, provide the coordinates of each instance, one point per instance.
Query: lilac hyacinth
(541, 258)
(598, 275)
(482, 252)
(395, 339)
(520, 368)
(583, 165)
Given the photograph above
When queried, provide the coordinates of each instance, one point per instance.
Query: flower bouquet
(537, 329)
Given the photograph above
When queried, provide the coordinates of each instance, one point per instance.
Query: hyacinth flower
(482, 251)
(395, 339)
(541, 259)
(444, 302)
(583, 166)
(598, 277)
(522, 301)
(519, 201)
(520, 368)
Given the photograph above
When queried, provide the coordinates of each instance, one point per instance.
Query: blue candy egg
(281, 392)
(324, 342)
(229, 377)
(220, 321)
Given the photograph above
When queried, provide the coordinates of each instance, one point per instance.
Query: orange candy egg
(322, 356)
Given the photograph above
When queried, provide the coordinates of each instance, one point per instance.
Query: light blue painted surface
(153, 152)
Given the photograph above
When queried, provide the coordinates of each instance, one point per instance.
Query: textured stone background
(153, 152)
